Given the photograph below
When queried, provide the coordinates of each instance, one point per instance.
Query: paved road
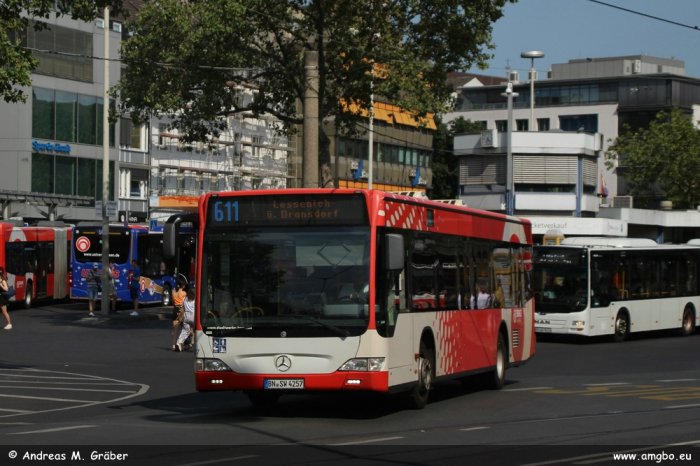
(67, 379)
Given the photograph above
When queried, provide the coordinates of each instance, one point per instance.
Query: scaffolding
(250, 154)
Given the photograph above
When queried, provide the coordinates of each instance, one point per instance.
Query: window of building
(543, 124)
(502, 125)
(131, 135)
(587, 123)
(76, 45)
(522, 125)
(58, 174)
(65, 116)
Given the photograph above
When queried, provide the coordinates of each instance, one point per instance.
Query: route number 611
(222, 211)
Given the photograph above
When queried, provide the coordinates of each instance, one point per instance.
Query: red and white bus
(35, 260)
(276, 314)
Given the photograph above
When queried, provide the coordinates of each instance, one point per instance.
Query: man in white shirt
(482, 302)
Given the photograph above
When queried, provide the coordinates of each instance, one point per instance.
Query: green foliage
(445, 169)
(16, 62)
(663, 159)
(182, 57)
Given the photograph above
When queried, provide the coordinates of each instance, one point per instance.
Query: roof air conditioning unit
(532, 76)
(514, 76)
(637, 67)
(622, 202)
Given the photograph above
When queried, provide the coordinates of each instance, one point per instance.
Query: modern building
(51, 147)
(559, 172)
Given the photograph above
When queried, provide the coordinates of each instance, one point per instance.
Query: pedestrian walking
(112, 289)
(4, 287)
(135, 285)
(93, 287)
(187, 321)
(178, 296)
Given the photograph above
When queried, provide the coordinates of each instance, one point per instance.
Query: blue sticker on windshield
(219, 345)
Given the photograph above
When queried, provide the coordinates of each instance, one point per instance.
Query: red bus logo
(82, 243)
(143, 285)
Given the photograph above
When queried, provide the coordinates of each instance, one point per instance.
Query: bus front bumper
(228, 380)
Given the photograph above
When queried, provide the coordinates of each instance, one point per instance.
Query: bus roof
(609, 242)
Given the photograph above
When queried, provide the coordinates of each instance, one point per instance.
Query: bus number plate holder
(284, 384)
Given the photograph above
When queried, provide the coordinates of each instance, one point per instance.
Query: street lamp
(532, 55)
(510, 186)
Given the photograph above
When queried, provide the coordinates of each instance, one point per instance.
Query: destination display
(287, 210)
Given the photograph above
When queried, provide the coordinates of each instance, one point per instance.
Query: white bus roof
(609, 242)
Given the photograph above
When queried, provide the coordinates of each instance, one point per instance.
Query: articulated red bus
(35, 260)
(306, 290)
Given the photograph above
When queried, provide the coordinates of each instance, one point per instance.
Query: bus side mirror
(170, 239)
(394, 252)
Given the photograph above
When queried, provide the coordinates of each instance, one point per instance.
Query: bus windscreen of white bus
(88, 244)
(561, 279)
(309, 281)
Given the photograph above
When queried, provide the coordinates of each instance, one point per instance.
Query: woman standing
(3, 301)
(187, 321)
(178, 296)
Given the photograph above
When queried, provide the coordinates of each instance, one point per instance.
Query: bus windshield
(561, 279)
(309, 281)
(88, 244)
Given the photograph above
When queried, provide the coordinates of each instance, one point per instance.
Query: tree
(445, 168)
(16, 61)
(665, 157)
(186, 58)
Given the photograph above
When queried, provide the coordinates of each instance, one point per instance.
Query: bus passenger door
(44, 269)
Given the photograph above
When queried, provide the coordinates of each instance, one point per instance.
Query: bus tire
(622, 327)
(263, 399)
(426, 377)
(688, 322)
(166, 297)
(497, 378)
(28, 296)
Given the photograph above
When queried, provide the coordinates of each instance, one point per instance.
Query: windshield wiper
(337, 330)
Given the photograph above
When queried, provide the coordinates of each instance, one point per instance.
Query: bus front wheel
(622, 327)
(426, 376)
(497, 378)
(28, 296)
(688, 323)
(166, 296)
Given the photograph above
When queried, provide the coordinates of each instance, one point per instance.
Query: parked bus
(276, 312)
(127, 243)
(35, 260)
(609, 286)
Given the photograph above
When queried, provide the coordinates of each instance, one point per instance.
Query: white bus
(607, 286)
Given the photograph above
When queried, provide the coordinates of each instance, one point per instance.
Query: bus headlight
(578, 323)
(363, 365)
(210, 365)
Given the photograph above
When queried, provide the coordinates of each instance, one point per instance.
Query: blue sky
(573, 29)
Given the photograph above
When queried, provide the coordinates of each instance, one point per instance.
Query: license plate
(543, 330)
(284, 383)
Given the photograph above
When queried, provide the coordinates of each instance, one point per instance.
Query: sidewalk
(80, 311)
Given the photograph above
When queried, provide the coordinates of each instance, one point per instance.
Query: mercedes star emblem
(283, 363)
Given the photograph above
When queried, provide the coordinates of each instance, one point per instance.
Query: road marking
(682, 406)
(219, 460)
(527, 389)
(366, 441)
(74, 389)
(677, 380)
(604, 384)
(475, 428)
(15, 410)
(649, 392)
(58, 429)
(65, 400)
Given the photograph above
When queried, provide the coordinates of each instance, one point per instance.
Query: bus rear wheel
(166, 297)
(28, 296)
(497, 378)
(622, 327)
(426, 376)
(688, 323)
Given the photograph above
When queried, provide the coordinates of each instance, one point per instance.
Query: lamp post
(510, 186)
(532, 55)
